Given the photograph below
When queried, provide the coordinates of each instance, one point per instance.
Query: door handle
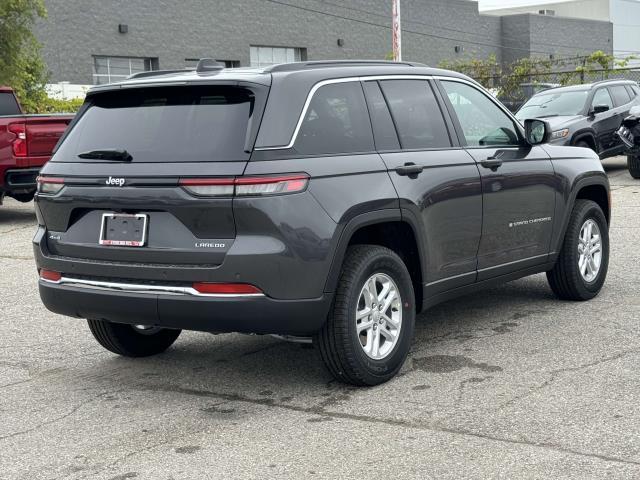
(492, 162)
(409, 169)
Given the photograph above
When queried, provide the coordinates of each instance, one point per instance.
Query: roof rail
(154, 73)
(611, 80)
(290, 67)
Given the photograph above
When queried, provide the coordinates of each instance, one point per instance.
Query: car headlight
(560, 134)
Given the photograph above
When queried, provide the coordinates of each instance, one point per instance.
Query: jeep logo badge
(115, 181)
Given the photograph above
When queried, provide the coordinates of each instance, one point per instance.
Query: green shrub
(46, 104)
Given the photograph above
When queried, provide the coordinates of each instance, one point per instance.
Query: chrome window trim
(333, 81)
(143, 289)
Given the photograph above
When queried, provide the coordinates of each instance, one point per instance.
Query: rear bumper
(247, 314)
(20, 180)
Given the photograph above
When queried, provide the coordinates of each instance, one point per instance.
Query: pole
(396, 32)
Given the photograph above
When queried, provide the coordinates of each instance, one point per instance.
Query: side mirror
(536, 131)
(635, 111)
(599, 109)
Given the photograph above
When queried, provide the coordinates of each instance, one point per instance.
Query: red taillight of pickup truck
(19, 144)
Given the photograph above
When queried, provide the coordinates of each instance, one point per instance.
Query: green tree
(21, 65)
(483, 71)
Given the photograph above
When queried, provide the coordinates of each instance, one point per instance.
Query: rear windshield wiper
(107, 154)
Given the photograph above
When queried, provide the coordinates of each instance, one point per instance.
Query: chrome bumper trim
(144, 289)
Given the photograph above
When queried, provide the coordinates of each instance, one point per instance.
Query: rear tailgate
(169, 134)
(43, 134)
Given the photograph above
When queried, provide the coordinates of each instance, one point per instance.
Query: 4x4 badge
(115, 181)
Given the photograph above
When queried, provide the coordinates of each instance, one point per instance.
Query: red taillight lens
(50, 275)
(226, 288)
(49, 185)
(246, 186)
(19, 144)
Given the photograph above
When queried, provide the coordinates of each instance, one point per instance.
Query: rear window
(8, 104)
(165, 124)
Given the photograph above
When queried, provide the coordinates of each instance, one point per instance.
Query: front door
(518, 183)
(606, 123)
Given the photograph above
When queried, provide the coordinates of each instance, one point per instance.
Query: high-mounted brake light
(246, 186)
(19, 143)
(226, 288)
(50, 275)
(49, 185)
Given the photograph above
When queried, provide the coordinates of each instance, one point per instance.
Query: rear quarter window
(336, 121)
(165, 124)
(620, 95)
(8, 104)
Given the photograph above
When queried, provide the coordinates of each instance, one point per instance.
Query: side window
(602, 97)
(630, 91)
(384, 132)
(620, 95)
(635, 89)
(483, 122)
(336, 121)
(416, 114)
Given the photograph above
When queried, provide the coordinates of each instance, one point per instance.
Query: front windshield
(553, 104)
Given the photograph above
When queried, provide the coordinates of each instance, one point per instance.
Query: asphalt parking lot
(507, 383)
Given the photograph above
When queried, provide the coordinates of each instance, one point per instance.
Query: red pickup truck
(26, 143)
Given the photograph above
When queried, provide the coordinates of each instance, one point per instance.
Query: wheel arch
(593, 187)
(387, 228)
(587, 135)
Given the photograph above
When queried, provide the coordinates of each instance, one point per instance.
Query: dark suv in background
(332, 200)
(586, 115)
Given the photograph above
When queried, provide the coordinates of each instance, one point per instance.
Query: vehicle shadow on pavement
(265, 369)
(19, 216)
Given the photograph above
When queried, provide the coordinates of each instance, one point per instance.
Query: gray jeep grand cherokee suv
(332, 200)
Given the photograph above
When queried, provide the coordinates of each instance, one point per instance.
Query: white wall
(625, 16)
(587, 9)
(66, 90)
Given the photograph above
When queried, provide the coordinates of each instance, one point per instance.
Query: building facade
(624, 15)
(101, 41)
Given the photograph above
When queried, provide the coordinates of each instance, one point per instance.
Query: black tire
(633, 164)
(565, 278)
(338, 340)
(127, 341)
(583, 144)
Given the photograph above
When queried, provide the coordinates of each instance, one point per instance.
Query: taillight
(271, 185)
(226, 288)
(246, 186)
(209, 187)
(19, 143)
(49, 185)
(50, 275)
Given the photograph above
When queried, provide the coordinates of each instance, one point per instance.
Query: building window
(116, 69)
(193, 63)
(265, 56)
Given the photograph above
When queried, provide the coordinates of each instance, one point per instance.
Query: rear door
(438, 182)
(176, 140)
(518, 182)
